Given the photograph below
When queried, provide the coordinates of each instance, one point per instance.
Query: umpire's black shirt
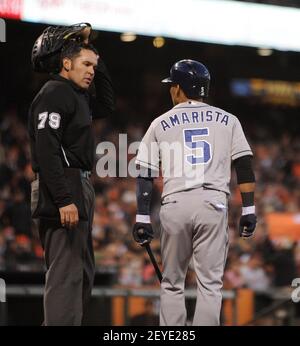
(60, 130)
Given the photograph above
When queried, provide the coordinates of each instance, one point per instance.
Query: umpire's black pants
(70, 266)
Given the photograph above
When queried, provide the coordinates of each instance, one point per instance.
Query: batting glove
(142, 233)
(247, 225)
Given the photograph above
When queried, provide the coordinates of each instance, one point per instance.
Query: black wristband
(247, 199)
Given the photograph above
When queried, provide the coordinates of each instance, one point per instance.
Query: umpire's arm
(102, 94)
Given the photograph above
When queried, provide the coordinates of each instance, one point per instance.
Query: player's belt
(210, 188)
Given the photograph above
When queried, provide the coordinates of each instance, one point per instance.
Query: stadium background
(261, 90)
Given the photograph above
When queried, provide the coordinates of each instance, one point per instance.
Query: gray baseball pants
(70, 266)
(193, 225)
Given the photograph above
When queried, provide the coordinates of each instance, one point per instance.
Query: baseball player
(62, 150)
(194, 145)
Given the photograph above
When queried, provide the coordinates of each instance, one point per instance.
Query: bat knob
(140, 231)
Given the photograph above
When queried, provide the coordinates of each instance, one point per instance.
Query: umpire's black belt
(83, 174)
(46, 207)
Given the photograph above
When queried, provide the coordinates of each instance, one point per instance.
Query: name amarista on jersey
(193, 118)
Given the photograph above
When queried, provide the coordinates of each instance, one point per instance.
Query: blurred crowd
(259, 263)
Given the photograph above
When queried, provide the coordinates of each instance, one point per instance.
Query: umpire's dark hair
(73, 48)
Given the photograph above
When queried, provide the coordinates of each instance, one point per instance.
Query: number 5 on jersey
(54, 120)
(193, 144)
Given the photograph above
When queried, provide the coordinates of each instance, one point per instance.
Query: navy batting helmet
(192, 77)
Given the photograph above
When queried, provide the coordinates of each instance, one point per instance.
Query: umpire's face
(81, 69)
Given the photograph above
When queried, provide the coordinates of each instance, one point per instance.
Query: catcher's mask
(46, 50)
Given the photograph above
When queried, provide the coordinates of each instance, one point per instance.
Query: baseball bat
(152, 258)
(153, 261)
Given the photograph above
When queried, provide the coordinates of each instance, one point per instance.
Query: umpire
(62, 149)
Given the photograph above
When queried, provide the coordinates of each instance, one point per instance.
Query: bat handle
(154, 263)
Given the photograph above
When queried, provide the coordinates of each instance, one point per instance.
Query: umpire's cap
(192, 76)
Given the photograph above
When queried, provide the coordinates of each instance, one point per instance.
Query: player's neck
(186, 99)
(180, 99)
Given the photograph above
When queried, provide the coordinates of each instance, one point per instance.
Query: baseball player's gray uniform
(193, 144)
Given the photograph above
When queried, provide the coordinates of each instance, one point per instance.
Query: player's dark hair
(73, 48)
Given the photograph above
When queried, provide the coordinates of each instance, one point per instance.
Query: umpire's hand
(142, 233)
(85, 34)
(247, 225)
(69, 216)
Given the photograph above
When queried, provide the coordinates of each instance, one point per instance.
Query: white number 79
(54, 120)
